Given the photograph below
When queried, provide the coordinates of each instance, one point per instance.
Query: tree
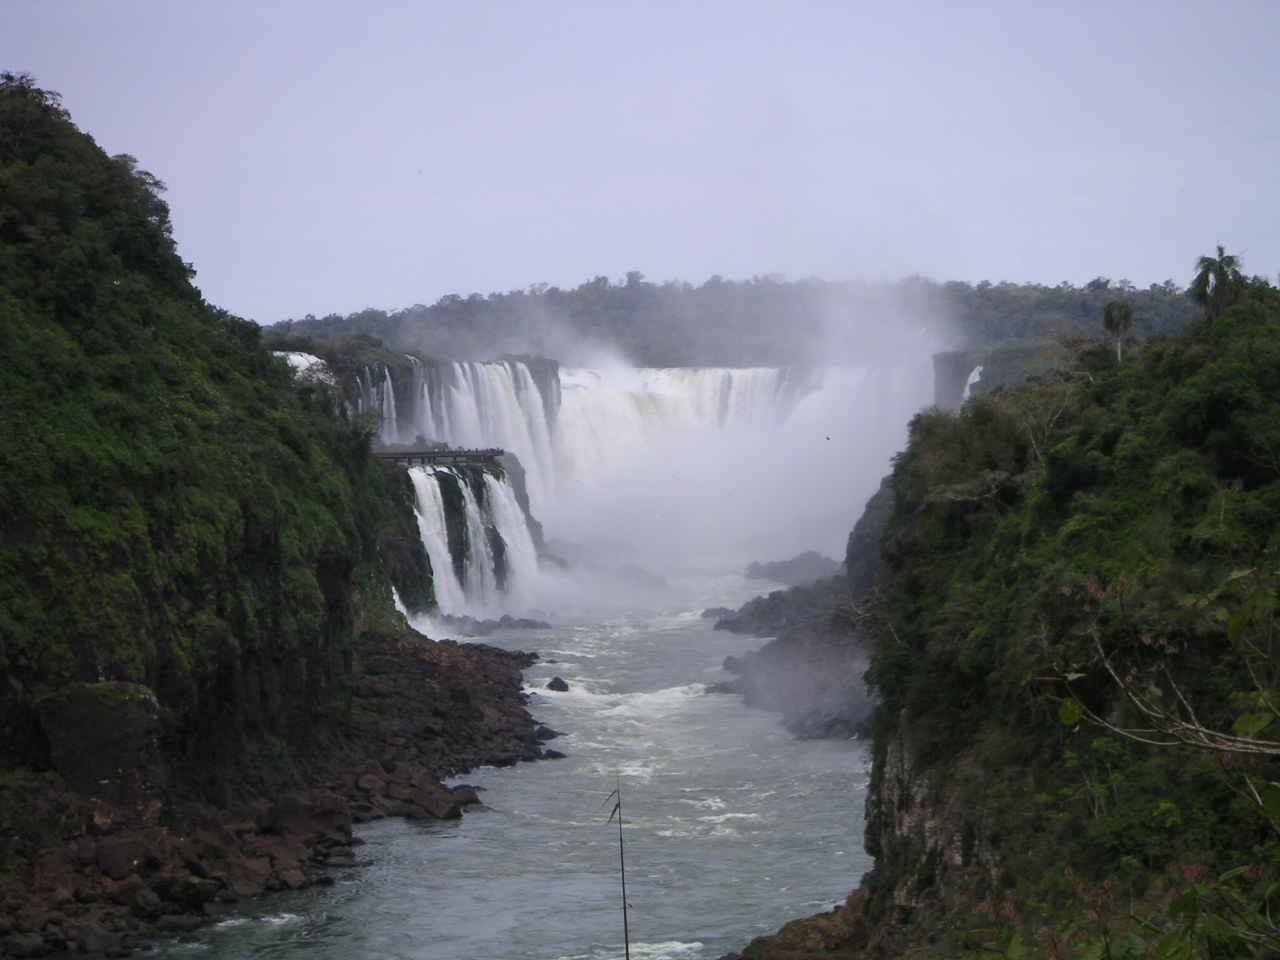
(1218, 283)
(1118, 318)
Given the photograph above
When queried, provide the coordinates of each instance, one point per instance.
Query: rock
(178, 923)
(104, 739)
(557, 685)
(285, 852)
(319, 817)
(544, 733)
(437, 800)
(125, 891)
(806, 568)
(23, 945)
(247, 877)
(552, 755)
(371, 783)
(725, 686)
(119, 856)
(465, 794)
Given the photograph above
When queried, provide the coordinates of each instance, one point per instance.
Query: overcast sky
(329, 156)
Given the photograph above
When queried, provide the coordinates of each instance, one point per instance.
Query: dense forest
(177, 513)
(763, 321)
(1077, 744)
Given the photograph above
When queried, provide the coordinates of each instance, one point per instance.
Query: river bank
(95, 863)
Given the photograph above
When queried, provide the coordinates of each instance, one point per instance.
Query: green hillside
(1077, 745)
(176, 511)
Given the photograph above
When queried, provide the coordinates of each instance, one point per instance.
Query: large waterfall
(636, 464)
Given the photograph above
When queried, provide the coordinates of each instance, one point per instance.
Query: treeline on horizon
(764, 321)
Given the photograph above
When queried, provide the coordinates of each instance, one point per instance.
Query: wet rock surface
(105, 851)
(811, 671)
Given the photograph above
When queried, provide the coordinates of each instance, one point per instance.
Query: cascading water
(668, 464)
(477, 537)
(692, 458)
(974, 376)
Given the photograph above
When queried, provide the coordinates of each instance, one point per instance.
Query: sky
(324, 157)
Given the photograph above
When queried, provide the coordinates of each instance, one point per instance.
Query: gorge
(212, 692)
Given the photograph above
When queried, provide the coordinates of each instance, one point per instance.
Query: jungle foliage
(763, 321)
(1106, 530)
(177, 512)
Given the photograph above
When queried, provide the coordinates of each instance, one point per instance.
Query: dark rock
(317, 817)
(121, 855)
(104, 739)
(544, 733)
(178, 923)
(23, 945)
(465, 794)
(725, 686)
(552, 755)
(557, 685)
(808, 567)
(125, 891)
(437, 800)
(247, 877)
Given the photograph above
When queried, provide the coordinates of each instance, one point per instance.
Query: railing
(415, 458)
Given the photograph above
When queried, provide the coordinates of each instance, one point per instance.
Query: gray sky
(328, 156)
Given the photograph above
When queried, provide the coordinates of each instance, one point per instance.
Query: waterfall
(974, 376)
(483, 557)
(467, 404)
(652, 465)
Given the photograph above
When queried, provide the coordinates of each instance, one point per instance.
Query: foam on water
(706, 784)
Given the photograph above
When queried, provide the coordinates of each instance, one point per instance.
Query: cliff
(205, 680)
(1073, 615)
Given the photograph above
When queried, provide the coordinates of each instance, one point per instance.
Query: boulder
(437, 800)
(317, 817)
(557, 685)
(104, 739)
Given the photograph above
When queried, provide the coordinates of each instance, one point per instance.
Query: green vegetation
(762, 321)
(177, 512)
(1102, 543)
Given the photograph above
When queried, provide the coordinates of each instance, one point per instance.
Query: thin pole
(622, 863)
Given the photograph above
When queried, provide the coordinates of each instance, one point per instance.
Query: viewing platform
(444, 458)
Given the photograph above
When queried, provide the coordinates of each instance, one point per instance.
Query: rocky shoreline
(100, 866)
(811, 671)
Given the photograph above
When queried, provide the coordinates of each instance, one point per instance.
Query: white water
(478, 592)
(654, 466)
(732, 828)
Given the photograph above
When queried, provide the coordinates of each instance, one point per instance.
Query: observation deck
(449, 458)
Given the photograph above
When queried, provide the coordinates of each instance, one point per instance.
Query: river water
(731, 827)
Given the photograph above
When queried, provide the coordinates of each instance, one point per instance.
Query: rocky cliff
(1075, 658)
(205, 680)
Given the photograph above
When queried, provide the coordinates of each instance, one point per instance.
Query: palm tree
(1218, 283)
(1118, 318)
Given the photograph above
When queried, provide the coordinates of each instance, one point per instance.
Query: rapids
(731, 827)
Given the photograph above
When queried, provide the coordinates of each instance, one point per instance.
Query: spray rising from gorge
(658, 467)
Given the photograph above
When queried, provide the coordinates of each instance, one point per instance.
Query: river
(731, 827)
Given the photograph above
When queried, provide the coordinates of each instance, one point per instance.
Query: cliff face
(178, 514)
(1075, 657)
(205, 680)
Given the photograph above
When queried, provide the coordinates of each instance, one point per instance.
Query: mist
(641, 472)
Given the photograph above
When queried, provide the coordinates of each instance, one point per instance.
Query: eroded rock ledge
(811, 672)
(110, 848)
